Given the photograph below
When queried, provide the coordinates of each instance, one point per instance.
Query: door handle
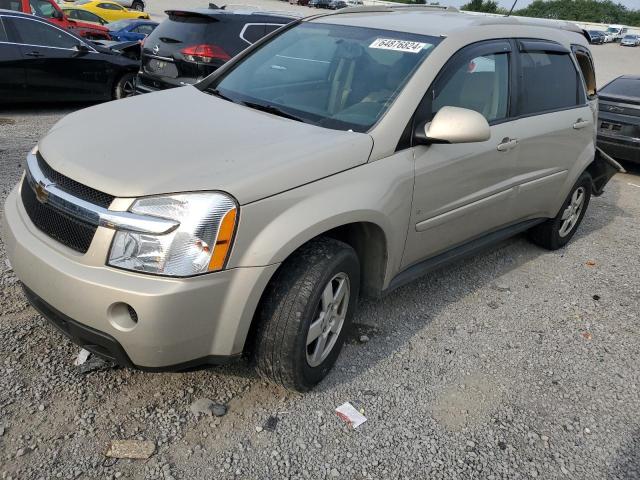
(507, 144)
(34, 54)
(581, 124)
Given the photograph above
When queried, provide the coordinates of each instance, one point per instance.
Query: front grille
(74, 188)
(66, 230)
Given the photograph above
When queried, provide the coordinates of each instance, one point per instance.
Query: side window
(480, 83)
(3, 34)
(39, 33)
(42, 8)
(110, 6)
(585, 62)
(10, 5)
(271, 28)
(144, 29)
(252, 32)
(549, 81)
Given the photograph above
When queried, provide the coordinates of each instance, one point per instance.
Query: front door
(465, 190)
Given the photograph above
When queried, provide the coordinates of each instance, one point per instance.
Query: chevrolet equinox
(341, 155)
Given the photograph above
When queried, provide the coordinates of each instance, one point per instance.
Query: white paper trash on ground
(82, 357)
(349, 414)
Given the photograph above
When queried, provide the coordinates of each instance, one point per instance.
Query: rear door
(555, 124)
(13, 78)
(55, 68)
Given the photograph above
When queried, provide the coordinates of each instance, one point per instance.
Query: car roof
(215, 12)
(435, 21)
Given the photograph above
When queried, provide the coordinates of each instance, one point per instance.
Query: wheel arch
(369, 241)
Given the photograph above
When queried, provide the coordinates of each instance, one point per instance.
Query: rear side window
(39, 33)
(588, 71)
(10, 5)
(252, 32)
(549, 81)
(3, 33)
(480, 84)
(627, 87)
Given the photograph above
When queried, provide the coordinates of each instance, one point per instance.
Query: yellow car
(110, 11)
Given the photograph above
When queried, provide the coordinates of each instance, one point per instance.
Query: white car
(630, 41)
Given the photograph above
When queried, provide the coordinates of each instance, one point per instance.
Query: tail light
(204, 53)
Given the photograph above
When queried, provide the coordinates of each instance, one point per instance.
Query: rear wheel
(139, 6)
(556, 232)
(125, 86)
(306, 313)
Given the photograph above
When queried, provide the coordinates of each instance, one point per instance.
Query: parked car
(131, 30)
(49, 10)
(616, 32)
(630, 41)
(322, 3)
(619, 118)
(138, 5)
(83, 15)
(191, 44)
(339, 157)
(110, 11)
(338, 4)
(596, 37)
(40, 61)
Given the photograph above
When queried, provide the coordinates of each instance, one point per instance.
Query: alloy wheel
(571, 214)
(329, 319)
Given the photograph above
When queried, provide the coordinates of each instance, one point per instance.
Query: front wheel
(305, 314)
(556, 232)
(125, 86)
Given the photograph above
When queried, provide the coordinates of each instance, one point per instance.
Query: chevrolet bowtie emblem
(41, 193)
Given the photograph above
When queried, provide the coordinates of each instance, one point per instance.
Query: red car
(50, 10)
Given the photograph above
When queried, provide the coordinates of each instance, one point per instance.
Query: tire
(139, 6)
(556, 232)
(294, 302)
(124, 86)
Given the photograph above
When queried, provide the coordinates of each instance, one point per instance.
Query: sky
(634, 4)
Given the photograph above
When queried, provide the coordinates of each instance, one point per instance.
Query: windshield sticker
(397, 45)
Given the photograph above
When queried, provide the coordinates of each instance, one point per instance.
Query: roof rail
(391, 8)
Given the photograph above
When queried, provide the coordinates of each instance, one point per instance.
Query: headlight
(200, 244)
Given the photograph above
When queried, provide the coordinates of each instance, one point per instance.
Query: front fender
(271, 229)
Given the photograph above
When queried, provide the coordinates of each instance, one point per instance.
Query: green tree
(599, 11)
(486, 6)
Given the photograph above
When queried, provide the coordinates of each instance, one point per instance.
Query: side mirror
(57, 14)
(81, 47)
(454, 125)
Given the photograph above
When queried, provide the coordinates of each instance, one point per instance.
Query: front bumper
(180, 322)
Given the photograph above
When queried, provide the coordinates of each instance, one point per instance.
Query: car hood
(185, 140)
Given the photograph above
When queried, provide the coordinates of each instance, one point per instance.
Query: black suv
(191, 44)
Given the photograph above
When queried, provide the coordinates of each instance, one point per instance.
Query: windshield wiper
(272, 109)
(217, 93)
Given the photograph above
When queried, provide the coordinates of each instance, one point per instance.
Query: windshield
(613, 30)
(333, 76)
(629, 37)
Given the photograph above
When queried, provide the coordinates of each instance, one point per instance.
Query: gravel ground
(518, 363)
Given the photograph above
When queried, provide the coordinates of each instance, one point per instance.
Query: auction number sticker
(397, 45)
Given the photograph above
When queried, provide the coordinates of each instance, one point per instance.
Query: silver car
(341, 156)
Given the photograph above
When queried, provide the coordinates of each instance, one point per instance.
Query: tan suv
(341, 156)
